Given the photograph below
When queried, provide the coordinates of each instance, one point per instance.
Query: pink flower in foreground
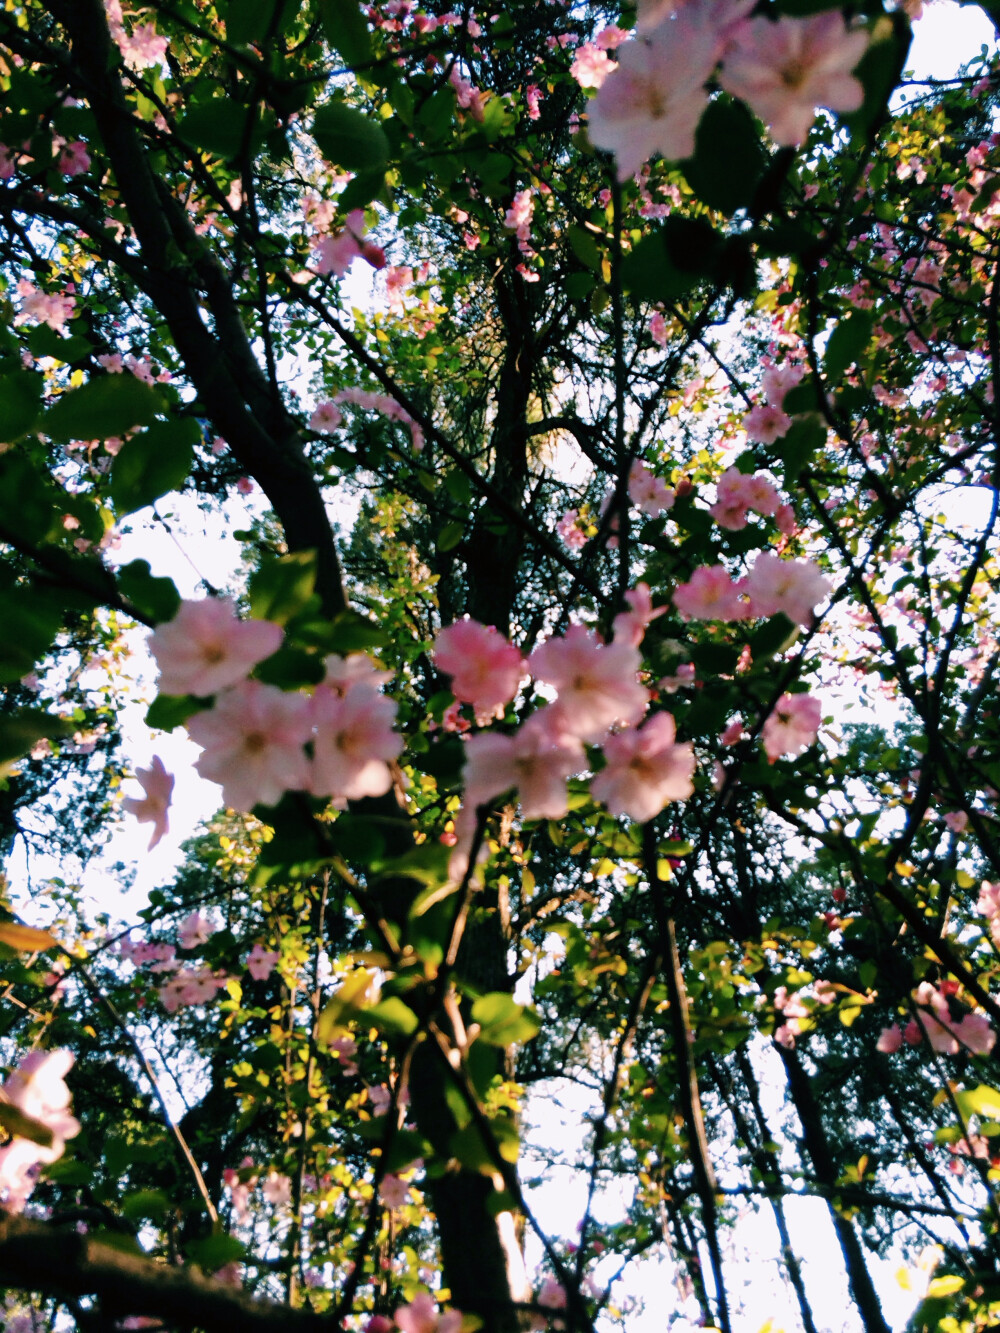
(74, 159)
(710, 594)
(645, 770)
(393, 1192)
(152, 808)
(652, 102)
(785, 70)
(37, 1088)
(570, 531)
(206, 648)
(792, 586)
(946, 1034)
(630, 626)
(596, 682)
(326, 417)
(778, 380)
(195, 930)
(890, 1040)
(648, 492)
(261, 962)
(421, 1316)
(51, 308)
(792, 726)
(354, 743)
(277, 1189)
(252, 741)
(765, 423)
(590, 66)
(536, 761)
(191, 985)
(486, 671)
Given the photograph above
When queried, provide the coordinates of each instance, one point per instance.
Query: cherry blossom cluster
(37, 1088)
(254, 736)
(794, 587)
(142, 47)
(652, 100)
(51, 308)
(947, 1025)
(336, 251)
(597, 688)
(276, 1188)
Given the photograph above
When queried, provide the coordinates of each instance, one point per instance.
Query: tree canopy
(603, 709)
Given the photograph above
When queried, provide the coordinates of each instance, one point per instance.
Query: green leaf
(354, 633)
(585, 248)
(107, 406)
(282, 586)
(797, 446)
(151, 1204)
(346, 29)
(156, 598)
(365, 187)
(667, 264)
(450, 536)
(847, 343)
(775, 635)
(223, 127)
(214, 1252)
(347, 138)
(249, 21)
(31, 619)
(392, 1016)
(20, 404)
(44, 341)
(502, 1021)
(20, 731)
(24, 1126)
(168, 711)
(879, 71)
(729, 158)
(470, 1148)
(982, 1101)
(153, 463)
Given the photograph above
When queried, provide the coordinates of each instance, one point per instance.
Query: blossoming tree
(638, 738)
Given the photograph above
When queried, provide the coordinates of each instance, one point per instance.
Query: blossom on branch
(152, 808)
(486, 671)
(645, 769)
(252, 741)
(206, 647)
(597, 683)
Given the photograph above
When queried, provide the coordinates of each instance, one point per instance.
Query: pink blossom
(590, 66)
(957, 821)
(74, 159)
(206, 648)
(785, 520)
(354, 742)
(733, 733)
(343, 673)
(190, 985)
(765, 423)
(152, 808)
(261, 962)
(570, 531)
(710, 594)
(778, 380)
(252, 741)
(421, 1316)
(648, 492)
(536, 761)
(890, 1040)
(326, 417)
(8, 162)
(335, 254)
(948, 1035)
(51, 308)
(552, 1295)
(652, 101)
(277, 1189)
(645, 769)
(468, 97)
(784, 70)
(195, 930)
(393, 1192)
(486, 671)
(792, 586)
(658, 329)
(38, 1089)
(630, 626)
(596, 682)
(397, 279)
(532, 98)
(792, 726)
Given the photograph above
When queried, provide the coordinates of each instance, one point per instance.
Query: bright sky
(947, 35)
